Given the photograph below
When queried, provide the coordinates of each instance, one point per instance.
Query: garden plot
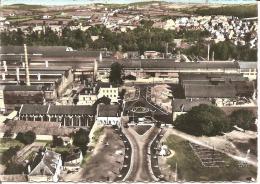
(208, 157)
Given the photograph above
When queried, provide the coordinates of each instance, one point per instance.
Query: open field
(189, 167)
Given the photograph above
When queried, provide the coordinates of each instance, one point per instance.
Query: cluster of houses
(220, 27)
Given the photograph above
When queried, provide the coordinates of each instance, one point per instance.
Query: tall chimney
(95, 70)
(100, 57)
(39, 76)
(3, 76)
(46, 64)
(5, 67)
(26, 66)
(17, 74)
(208, 51)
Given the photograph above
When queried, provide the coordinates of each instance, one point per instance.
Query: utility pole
(208, 51)
(176, 174)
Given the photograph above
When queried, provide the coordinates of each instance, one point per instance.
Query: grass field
(190, 168)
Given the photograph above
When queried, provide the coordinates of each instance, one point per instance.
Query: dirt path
(104, 163)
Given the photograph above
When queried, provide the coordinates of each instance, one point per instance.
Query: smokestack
(100, 57)
(3, 76)
(39, 76)
(95, 70)
(26, 66)
(18, 74)
(46, 64)
(208, 51)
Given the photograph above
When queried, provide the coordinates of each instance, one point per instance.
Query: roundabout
(140, 110)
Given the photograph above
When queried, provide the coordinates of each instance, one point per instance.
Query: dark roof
(108, 110)
(23, 88)
(71, 110)
(248, 65)
(170, 63)
(73, 155)
(49, 51)
(57, 109)
(209, 91)
(33, 109)
(184, 105)
(191, 78)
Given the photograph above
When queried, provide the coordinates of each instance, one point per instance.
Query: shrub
(26, 138)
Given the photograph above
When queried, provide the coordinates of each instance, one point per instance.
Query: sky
(69, 2)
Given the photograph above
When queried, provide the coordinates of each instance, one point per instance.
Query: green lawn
(7, 143)
(190, 168)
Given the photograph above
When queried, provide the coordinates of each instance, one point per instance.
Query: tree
(81, 139)
(203, 120)
(26, 138)
(8, 154)
(243, 118)
(57, 141)
(116, 73)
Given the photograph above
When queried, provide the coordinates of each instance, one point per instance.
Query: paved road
(155, 111)
(140, 166)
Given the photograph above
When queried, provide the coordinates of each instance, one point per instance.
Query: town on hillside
(146, 91)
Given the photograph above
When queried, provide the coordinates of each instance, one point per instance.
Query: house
(87, 96)
(107, 90)
(73, 160)
(46, 167)
(108, 114)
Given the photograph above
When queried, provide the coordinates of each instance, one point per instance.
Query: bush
(8, 154)
(26, 138)
(243, 118)
(14, 168)
(57, 141)
(203, 120)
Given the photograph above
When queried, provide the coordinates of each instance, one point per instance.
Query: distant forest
(241, 11)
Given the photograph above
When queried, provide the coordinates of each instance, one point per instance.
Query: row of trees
(210, 120)
(141, 39)
(223, 51)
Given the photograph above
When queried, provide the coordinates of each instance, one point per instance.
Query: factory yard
(190, 167)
